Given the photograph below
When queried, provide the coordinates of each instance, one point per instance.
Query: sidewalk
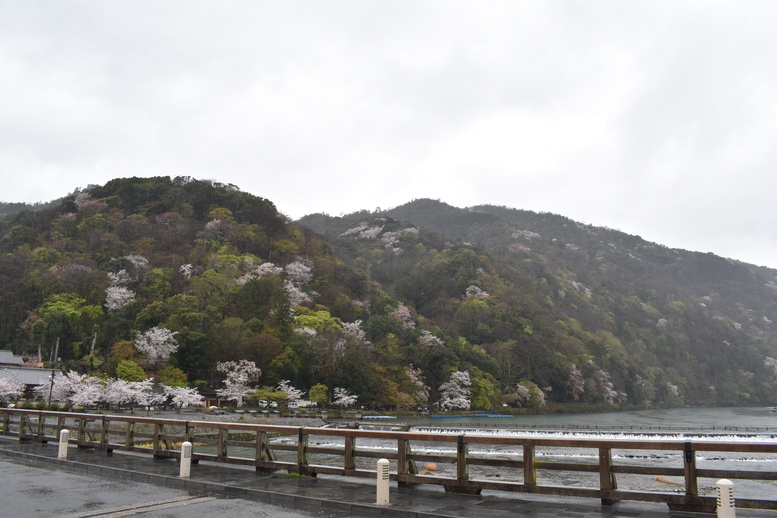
(333, 496)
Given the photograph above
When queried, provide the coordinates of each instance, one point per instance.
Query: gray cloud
(653, 117)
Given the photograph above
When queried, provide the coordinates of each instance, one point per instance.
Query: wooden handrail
(115, 432)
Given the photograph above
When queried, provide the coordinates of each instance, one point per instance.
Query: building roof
(9, 358)
(29, 375)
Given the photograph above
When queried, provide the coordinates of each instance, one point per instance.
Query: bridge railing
(469, 463)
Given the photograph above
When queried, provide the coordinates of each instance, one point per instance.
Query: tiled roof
(29, 376)
(9, 358)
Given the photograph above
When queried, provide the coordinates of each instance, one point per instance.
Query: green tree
(66, 319)
(484, 392)
(128, 370)
(318, 394)
(172, 377)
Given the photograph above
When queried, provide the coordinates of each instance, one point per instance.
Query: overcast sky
(657, 118)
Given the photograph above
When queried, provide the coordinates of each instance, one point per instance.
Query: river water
(694, 424)
(743, 419)
(679, 424)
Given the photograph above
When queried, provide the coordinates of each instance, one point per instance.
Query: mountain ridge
(534, 307)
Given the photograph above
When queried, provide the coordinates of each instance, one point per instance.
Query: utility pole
(51, 387)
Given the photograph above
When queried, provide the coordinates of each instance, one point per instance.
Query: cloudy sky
(654, 117)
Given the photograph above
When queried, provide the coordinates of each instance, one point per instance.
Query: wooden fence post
(529, 473)
(222, 445)
(691, 481)
(606, 476)
(129, 439)
(155, 439)
(404, 465)
(41, 432)
(349, 461)
(302, 453)
(81, 432)
(462, 448)
(22, 419)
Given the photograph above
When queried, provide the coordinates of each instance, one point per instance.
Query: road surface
(36, 492)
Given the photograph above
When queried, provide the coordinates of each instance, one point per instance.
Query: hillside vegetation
(638, 322)
(534, 307)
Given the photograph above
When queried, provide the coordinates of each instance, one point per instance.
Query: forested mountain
(534, 307)
(638, 321)
(7, 208)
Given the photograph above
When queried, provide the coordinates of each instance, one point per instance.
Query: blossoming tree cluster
(343, 398)
(10, 386)
(454, 393)
(157, 344)
(238, 376)
(89, 391)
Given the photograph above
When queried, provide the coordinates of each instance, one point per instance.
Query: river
(695, 424)
(744, 419)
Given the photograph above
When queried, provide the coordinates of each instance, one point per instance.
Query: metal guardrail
(272, 447)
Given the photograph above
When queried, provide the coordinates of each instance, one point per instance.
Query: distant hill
(650, 316)
(6, 209)
(536, 308)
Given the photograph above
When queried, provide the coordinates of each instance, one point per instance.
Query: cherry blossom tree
(10, 386)
(157, 344)
(144, 394)
(363, 231)
(300, 271)
(416, 378)
(344, 398)
(186, 271)
(576, 383)
(260, 271)
(292, 394)
(64, 387)
(529, 395)
(117, 392)
(184, 397)
(454, 393)
(89, 392)
(474, 291)
(239, 375)
(296, 295)
(427, 339)
(608, 392)
(352, 334)
(119, 278)
(403, 315)
(116, 297)
(391, 239)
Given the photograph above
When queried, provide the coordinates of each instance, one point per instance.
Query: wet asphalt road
(35, 492)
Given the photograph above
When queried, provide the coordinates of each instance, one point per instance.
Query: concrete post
(383, 482)
(726, 504)
(186, 460)
(64, 436)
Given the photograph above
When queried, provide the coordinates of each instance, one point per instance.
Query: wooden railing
(348, 452)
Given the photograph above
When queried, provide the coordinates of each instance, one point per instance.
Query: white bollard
(383, 482)
(726, 504)
(64, 436)
(186, 460)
